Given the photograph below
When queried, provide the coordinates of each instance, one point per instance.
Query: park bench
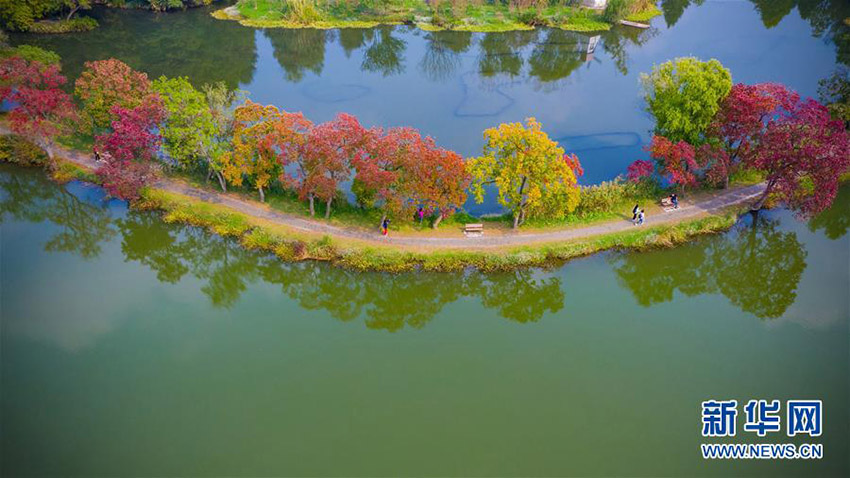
(473, 230)
(667, 204)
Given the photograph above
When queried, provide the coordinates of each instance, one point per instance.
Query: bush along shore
(457, 15)
(709, 136)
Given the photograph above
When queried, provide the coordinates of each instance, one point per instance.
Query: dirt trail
(686, 211)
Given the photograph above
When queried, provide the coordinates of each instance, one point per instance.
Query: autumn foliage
(42, 110)
(105, 84)
(676, 160)
(534, 176)
(803, 151)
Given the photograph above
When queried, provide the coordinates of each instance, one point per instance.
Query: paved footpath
(686, 211)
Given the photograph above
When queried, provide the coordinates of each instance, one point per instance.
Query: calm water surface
(134, 347)
(585, 89)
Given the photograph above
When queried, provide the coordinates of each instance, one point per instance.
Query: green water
(134, 347)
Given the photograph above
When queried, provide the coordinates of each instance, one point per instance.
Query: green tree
(188, 129)
(222, 103)
(684, 95)
(534, 176)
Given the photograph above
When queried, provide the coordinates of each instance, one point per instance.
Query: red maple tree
(326, 159)
(639, 169)
(741, 120)
(803, 151)
(677, 161)
(41, 111)
(130, 148)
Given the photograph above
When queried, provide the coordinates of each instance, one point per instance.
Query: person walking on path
(674, 198)
(640, 218)
(385, 227)
(635, 213)
(421, 213)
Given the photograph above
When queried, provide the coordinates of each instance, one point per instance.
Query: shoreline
(294, 238)
(467, 24)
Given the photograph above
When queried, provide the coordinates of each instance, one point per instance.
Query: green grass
(67, 171)
(486, 17)
(645, 16)
(290, 245)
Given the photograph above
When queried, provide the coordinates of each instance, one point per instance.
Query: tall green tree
(684, 95)
(188, 129)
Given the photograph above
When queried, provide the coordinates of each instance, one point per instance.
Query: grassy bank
(291, 245)
(457, 15)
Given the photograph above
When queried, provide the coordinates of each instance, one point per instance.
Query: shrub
(17, 150)
(616, 10)
(31, 53)
(78, 24)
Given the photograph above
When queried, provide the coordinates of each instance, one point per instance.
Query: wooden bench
(473, 230)
(667, 204)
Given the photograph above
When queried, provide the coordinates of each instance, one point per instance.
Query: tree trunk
(221, 181)
(73, 11)
(726, 182)
(328, 209)
(437, 221)
(312, 205)
(518, 214)
(383, 218)
(262, 194)
(760, 202)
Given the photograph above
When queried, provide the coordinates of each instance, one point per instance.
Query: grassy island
(457, 15)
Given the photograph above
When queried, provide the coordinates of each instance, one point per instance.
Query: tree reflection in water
(834, 221)
(756, 266)
(29, 196)
(387, 301)
(442, 54)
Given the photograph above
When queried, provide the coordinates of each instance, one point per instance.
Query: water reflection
(387, 302)
(83, 226)
(298, 50)
(442, 54)
(188, 43)
(756, 266)
(835, 221)
(175, 252)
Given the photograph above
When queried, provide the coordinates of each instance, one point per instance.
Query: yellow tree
(534, 176)
(265, 140)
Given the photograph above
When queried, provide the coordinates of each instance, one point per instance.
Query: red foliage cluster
(803, 151)
(717, 164)
(132, 135)
(572, 161)
(41, 110)
(124, 178)
(677, 160)
(401, 170)
(129, 148)
(743, 114)
(639, 169)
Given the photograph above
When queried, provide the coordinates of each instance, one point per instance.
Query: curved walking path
(686, 211)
